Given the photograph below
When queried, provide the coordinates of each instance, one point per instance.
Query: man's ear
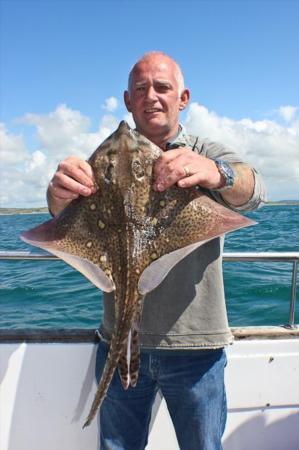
(127, 101)
(184, 99)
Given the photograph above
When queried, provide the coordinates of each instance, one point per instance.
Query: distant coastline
(44, 210)
(11, 211)
(283, 203)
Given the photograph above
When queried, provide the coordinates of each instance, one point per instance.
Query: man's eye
(162, 88)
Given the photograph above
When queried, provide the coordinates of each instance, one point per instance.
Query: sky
(64, 67)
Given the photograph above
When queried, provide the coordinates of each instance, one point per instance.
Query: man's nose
(151, 94)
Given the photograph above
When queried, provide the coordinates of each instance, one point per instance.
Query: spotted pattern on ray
(118, 235)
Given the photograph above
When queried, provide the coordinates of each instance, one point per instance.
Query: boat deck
(48, 383)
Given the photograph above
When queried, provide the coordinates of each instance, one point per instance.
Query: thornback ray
(126, 237)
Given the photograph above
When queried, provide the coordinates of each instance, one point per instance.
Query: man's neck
(163, 140)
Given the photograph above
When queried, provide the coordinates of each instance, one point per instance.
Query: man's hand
(185, 168)
(73, 177)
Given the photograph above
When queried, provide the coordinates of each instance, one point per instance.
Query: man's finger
(190, 181)
(62, 181)
(173, 171)
(87, 169)
(82, 173)
(172, 178)
(168, 157)
(62, 194)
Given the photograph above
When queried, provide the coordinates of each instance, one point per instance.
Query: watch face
(227, 172)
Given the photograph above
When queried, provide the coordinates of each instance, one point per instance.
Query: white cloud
(269, 146)
(66, 131)
(22, 187)
(36, 161)
(60, 133)
(111, 104)
(108, 124)
(17, 178)
(12, 147)
(288, 112)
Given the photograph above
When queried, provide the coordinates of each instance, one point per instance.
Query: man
(184, 325)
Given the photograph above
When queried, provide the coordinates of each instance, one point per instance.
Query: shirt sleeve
(214, 150)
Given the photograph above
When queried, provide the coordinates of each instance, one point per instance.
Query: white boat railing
(290, 257)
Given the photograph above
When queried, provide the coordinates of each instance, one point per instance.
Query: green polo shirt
(187, 310)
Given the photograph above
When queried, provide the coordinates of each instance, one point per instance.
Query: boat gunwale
(227, 256)
(82, 335)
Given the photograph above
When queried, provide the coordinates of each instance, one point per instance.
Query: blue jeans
(192, 383)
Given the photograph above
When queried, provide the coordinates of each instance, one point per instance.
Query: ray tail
(119, 338)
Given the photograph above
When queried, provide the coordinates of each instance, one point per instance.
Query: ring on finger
(187, 171)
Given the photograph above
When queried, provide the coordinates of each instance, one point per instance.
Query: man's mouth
(152, 110)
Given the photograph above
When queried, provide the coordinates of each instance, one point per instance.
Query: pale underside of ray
(151, 277)
(173, 242)
(91, 271)
(155, 273)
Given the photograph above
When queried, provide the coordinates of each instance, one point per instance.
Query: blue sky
(240, 60)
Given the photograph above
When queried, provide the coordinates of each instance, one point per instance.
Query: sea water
(50, 294)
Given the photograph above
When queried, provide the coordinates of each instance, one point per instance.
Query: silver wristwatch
(227, 172)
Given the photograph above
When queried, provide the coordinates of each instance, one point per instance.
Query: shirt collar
(181, 139)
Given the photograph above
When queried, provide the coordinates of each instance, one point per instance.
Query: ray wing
(80, 240)
(191, 220)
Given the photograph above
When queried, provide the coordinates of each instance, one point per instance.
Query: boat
(48, 383)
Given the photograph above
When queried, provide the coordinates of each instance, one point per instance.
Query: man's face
(154, 98)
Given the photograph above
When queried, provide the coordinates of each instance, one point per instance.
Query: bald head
(155, 57)
(156, 96)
